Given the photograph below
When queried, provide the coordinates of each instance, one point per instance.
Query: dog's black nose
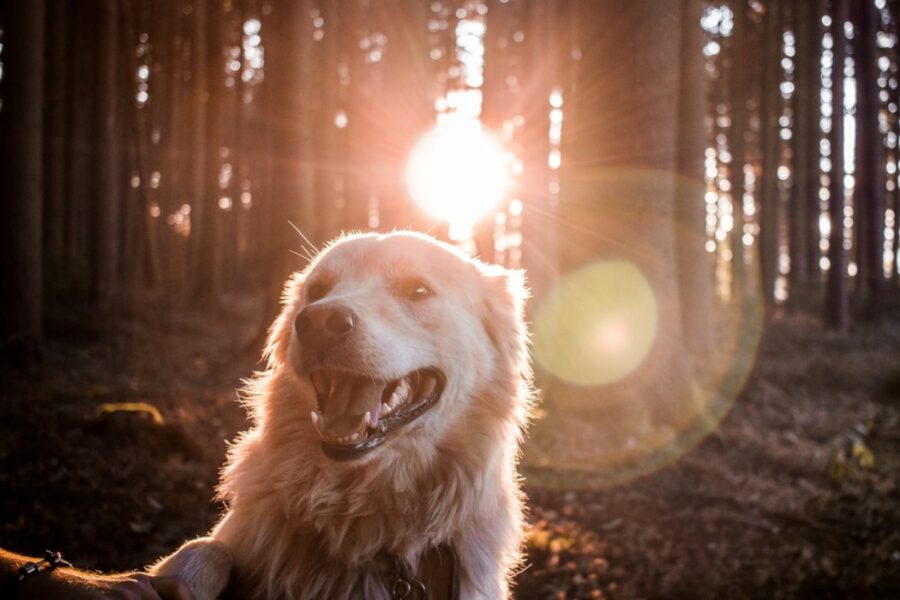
(324, 324)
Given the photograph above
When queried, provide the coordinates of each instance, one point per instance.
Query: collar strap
(442, 578)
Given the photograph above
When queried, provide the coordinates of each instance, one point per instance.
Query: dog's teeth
(385, 408)
(354, 437)
(315, 421)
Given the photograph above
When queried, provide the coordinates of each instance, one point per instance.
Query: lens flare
(597, 325)
(458, 173)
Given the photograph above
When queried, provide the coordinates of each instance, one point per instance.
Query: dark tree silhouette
(869, 193)
(21, 120)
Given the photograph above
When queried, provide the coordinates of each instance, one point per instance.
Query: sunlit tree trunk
(620, 202)
(288, 34)
(207, 283)
(201, 208)
(740, 94)
(695, 267)
(770, 111)
(540, 234)
(21, 120)
(329, 179)
(836, 309)
(869, 191)
(404, 81)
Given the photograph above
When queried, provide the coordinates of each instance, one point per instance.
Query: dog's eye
(414, 289)
(317, 290)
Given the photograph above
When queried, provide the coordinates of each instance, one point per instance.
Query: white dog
(381, 461)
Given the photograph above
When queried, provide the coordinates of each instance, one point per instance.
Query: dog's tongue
(351, 398)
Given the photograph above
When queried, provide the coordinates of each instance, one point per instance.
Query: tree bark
(56, 134)
(836, 306)
(695, 266)
(810, 110)
(197, 167)
(21, 143)
(770, 111)
(207, 269)
(620, 202)
(740, 80)
(105, 213)
(804, 266)
(869, 193)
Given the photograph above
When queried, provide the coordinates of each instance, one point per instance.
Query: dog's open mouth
(357, 413)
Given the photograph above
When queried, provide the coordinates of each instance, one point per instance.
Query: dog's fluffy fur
(300, 525)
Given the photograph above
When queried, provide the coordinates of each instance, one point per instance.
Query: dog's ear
(503, 313)
(280, 332)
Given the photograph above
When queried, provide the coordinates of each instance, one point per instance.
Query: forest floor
(794, 495)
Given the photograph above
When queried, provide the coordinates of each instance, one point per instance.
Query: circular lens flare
(458, 173)
(597, 325)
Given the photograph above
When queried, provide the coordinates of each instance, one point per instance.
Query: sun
(458, 174)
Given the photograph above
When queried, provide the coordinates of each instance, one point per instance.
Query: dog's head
(390, 338)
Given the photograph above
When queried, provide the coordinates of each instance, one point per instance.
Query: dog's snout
(324, 324)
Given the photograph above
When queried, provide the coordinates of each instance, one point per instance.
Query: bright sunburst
(459, 174)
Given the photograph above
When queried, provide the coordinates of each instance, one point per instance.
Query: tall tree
(836, 309)
(207, 225)
(869, 193)
(57, 83)
(21, 131)
(620, 199)
(199, 154)
(106, 204)
(804, 263)
(740, 92)
(82, 147)
(811, 46)
(695, 267)
(770, 111)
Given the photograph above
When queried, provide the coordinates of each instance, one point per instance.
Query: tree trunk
(620, 200)
(105, 218)
(836, 309)
(82, 144)
(540, 234)
(695, 267)
(197, 167)
(740, 79)
(21, 120)
(803, 266)
(56, 135)
(770, 111)
(207, 284)
(809, 110)
(869, 193)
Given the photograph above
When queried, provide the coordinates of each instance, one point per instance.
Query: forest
(703, 195)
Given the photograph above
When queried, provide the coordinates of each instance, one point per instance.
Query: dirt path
(794, 496)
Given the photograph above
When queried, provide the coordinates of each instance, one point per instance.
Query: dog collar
(444, 575)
